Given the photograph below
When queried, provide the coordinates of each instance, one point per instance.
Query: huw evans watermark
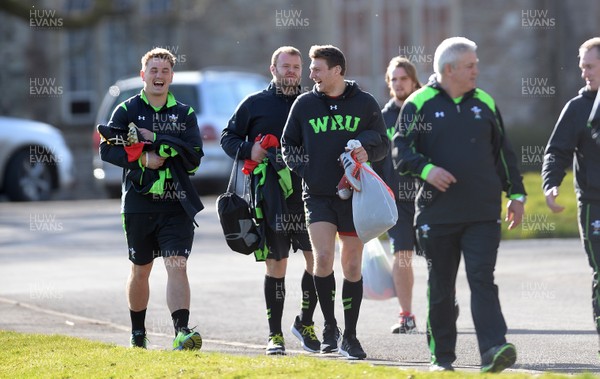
(533, 155)
(415, 123)
(537, 19)
(179, 57)
(43, 155)
(290, 223)
(44, 222)
(44, 87)
(44, 19)
(415, 54)
(44, 291)
(290, 19)
(537, 290)
(537, 87)
(539, 223)
(163, 123)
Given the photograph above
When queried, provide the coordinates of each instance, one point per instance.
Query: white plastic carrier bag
(378, 283)
(374, 207)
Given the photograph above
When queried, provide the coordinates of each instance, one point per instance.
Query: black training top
(173, 119)
(318, 129)
(466, 137)
(260, 113)
(573, 143)
(404, 186)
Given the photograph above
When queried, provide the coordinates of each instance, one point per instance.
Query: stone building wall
(527, 48)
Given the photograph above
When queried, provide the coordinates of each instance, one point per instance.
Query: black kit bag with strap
(238, 225)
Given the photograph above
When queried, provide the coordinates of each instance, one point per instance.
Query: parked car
(214, 95)
(34, 160)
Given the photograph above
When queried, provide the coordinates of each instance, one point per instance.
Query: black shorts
(330, 209)
(402, 235)
(153, 235)
(291, 232)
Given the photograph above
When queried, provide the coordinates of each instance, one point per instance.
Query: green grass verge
(54, 356)
(539, 221)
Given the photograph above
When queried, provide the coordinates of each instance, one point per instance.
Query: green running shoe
(187, 339)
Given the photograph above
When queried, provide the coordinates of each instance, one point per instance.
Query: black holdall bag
(238, 226)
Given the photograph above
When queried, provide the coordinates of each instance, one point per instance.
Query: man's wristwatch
(521, 198)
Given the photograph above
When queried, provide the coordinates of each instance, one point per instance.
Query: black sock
(138, 320)
(180, 317)
(352, 294)
(274, 299)
(309, 299)
(326, 292)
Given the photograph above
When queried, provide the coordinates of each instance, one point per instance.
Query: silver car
(213, 94)
(35, 161)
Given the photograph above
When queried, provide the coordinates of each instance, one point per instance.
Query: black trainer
(331, 339)
(499, 358)
(406, 324)
(306, 335)
(138, 339)
(351, 348)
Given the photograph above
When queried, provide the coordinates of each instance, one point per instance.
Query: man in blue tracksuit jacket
(401, 78)
(450, 134)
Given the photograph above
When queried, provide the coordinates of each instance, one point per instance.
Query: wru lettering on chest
(327, 123)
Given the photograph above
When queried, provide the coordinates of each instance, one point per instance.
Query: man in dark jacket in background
(401, 78)
(575, 141)
(450, 134)
(320, 124)
(263, 115)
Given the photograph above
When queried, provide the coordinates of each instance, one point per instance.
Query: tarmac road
(63, 267)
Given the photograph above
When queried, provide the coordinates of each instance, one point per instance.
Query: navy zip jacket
(173, 120)
(466, 137)
(404, 186)
(318, 129)
(572, 143)
(261, 113)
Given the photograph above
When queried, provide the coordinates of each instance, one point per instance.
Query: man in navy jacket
(264, 114)
(575, 141)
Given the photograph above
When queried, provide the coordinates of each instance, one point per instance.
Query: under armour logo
(476, 110)
(439, 114)
(332, 107)
(249, 238)
(142, 118)
(424, 229)
(596, 226)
